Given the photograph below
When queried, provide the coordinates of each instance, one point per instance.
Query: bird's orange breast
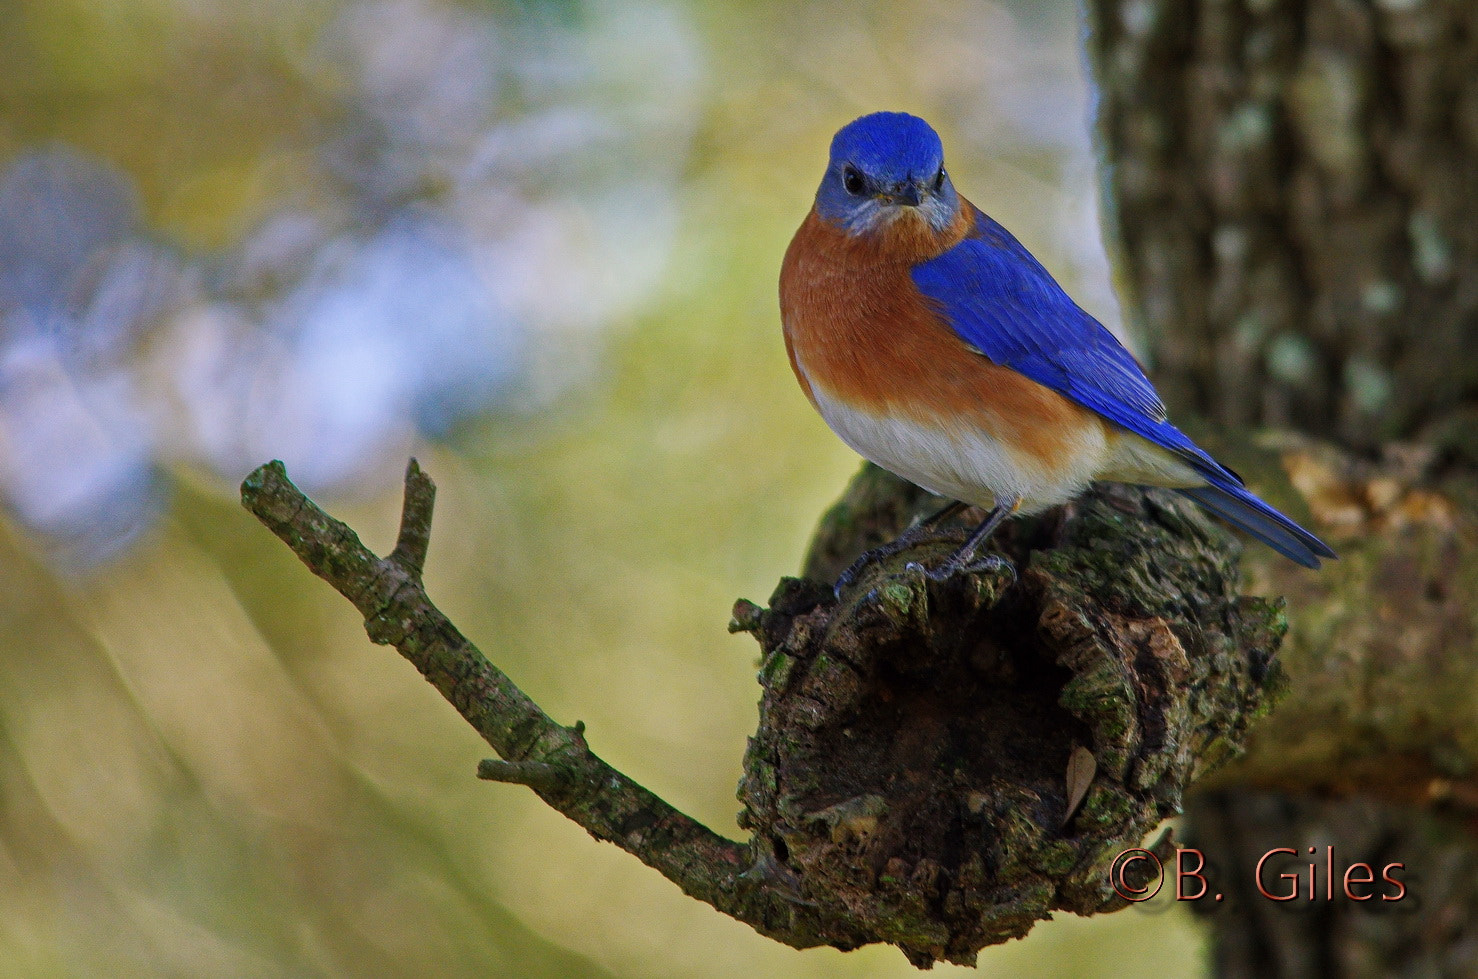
(857, 326)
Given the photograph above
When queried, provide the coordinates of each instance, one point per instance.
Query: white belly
(965, 463)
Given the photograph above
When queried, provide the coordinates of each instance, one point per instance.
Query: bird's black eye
(852, 180)
(939, 180)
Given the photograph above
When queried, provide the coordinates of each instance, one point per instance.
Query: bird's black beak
(905, 192)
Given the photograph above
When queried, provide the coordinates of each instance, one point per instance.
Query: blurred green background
(535, 244)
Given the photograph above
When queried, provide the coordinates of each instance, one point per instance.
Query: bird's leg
(961, 560)
(901, 543)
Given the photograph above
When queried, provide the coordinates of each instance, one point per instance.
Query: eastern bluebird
(935, 345)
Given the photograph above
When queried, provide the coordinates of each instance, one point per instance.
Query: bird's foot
(987, 563)
(901, 543)
(845, 580)
(898, 545)
(962, 563)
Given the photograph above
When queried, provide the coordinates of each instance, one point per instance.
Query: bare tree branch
(415, 521)
(552, 759)
(938, 765)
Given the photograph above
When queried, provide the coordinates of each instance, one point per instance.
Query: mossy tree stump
(909, 780)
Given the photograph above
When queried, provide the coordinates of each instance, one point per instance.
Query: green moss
(776, 670)
(1105, 808)
(1055, 859)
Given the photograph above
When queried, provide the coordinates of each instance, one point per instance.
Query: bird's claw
(979, 565)
(990, 562)
(942, 573)
(910, 537)
(847, 578)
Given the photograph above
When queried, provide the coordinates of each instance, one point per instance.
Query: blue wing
(1002, 302)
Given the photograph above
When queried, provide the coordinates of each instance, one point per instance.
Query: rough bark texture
(915, 741)
(1296, 188)
(1294, 182)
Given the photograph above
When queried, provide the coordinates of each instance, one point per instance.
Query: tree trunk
(1295, 185)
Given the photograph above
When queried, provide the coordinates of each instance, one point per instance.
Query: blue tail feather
(1241, 509)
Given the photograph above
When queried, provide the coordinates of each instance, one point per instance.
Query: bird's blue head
(884, 166)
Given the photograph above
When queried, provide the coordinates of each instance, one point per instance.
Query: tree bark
(953, 762)
(1295, 186)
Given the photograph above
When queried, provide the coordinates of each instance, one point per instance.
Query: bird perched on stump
(935, 345)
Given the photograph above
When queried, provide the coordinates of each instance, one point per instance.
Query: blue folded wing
(1001, 301)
